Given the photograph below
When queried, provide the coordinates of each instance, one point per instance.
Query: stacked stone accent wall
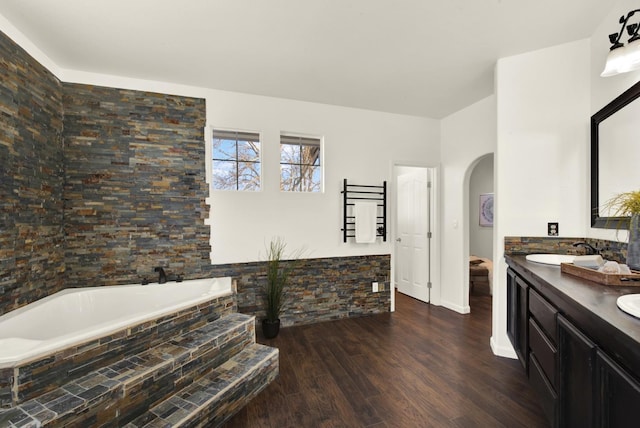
(135, 185)
(31, 179)
(100, 185)
(320, 289)
(610, 250)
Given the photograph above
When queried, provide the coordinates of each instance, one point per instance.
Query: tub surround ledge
(31, 378)
(206, 374)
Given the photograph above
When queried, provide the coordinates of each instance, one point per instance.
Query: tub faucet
(162, 276)
(591, 250)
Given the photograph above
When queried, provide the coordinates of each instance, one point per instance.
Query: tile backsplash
(520, 245)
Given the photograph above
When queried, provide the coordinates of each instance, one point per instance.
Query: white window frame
(210, 160)
(301, 137)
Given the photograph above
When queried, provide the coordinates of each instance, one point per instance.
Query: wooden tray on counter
(613, 279)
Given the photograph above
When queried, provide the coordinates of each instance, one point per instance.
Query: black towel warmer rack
(354, 192)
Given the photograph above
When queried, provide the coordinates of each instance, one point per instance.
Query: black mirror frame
(620, 102)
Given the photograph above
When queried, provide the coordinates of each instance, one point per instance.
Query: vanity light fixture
(621, 58)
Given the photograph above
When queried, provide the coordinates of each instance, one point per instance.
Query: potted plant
(275, 286)
(627, 204)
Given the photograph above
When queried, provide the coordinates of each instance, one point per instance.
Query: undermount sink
(550, 259)
(630, 303)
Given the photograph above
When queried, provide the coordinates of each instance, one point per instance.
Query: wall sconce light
(621, 58)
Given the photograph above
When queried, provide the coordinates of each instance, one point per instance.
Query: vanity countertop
(589, 305)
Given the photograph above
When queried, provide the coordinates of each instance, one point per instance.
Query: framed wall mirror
(615, 156)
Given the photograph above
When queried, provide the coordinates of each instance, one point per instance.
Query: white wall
(466, 135)
(359, 145)
(543, 107)
(605, 89)
(536, 124)
(480, 182)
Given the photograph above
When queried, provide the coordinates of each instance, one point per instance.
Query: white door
(412, 240)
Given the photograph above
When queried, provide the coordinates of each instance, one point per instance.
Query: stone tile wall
(320, 289)
(521, 245)
(45, 373)
(221, 354)
(134, 185)
(31, 179)
(99, 185)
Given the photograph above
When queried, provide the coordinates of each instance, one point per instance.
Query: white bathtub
(77, 315)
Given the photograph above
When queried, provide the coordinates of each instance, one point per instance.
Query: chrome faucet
(162, 275)
(591, 250)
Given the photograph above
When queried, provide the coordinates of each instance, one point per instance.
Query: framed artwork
(486, 210)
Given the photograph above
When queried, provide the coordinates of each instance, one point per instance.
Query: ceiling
(416, 57)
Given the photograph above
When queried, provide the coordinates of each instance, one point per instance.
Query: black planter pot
(270, 329)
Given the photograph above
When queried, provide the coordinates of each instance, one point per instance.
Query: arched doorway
(480, 190)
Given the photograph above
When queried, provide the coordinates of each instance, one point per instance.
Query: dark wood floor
(421, 366)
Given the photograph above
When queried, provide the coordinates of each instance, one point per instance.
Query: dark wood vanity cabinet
(618, 394)
(579, 383)
(511, 307)
(576, 365)
(543, 358)
(517, 316)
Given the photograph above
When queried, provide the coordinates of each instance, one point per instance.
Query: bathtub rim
(106, 329)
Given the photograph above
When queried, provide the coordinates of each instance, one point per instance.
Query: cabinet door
(517, 315)
(511, 306)
(522, 321)
(618, 395)
(576, 373)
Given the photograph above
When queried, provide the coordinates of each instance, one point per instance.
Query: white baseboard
(502, 351)
(456, 308)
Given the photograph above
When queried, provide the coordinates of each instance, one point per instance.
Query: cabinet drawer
(548, 396)
(544, 313)
(543, 350)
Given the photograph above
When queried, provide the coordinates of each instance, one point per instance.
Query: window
(236, 160)
(300, 169)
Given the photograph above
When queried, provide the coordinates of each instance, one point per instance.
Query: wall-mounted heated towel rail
(351, 193)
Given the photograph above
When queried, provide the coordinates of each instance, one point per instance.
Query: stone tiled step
(119, 392)
(217, 396)
(31, 379)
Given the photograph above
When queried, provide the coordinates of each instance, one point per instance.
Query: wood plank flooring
(422, 366)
